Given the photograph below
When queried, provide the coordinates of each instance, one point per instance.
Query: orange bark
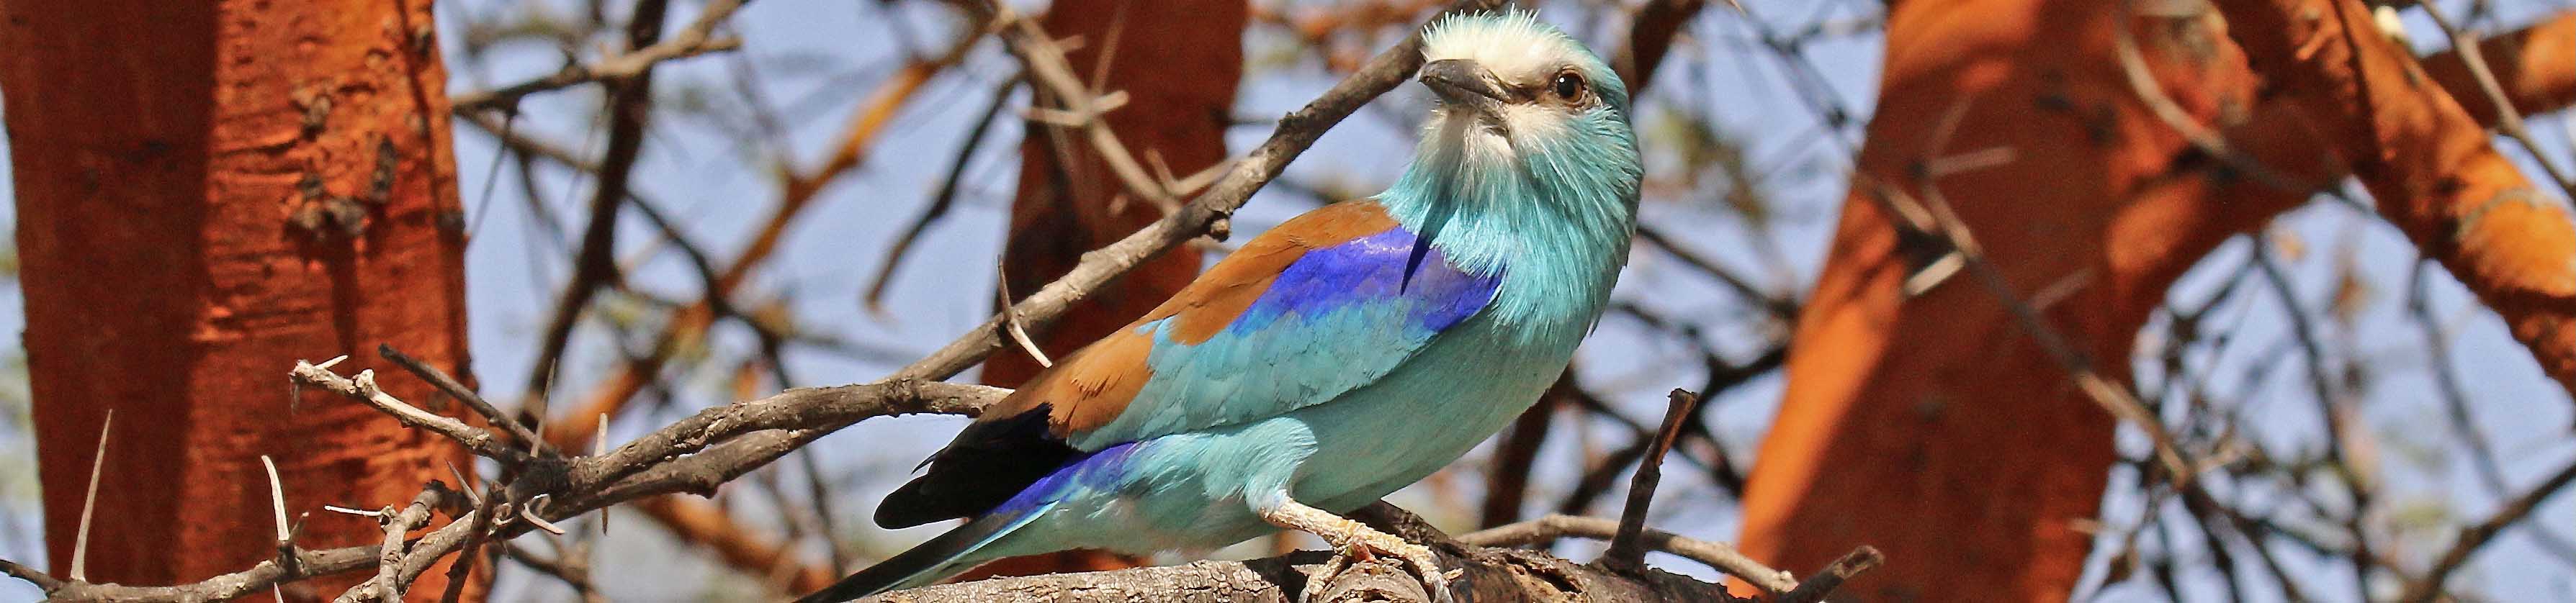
(2536, 65)
(206, 192)
(1932, 427)
(1178, 61)
(2431, 166)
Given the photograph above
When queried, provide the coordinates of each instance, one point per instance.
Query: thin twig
(2477, 536)
(629, 110)
(458, 390)
(1624, 548)
(2508, 119)
(941, 202)
(363, 389)
(689, 42)
(1082, 107)
(1715, 555)
(1824, 581)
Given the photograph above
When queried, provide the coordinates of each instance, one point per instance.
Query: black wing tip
(908, 506)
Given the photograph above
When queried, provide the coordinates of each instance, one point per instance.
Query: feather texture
(1301, 314)
(1333, 359)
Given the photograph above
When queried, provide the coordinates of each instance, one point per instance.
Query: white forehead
(1514, 45)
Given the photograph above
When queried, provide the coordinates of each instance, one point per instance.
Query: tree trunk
(207, 192)
(1178, 61)
(1905, 418)
(1932, 426)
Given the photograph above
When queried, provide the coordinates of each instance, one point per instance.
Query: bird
(1330, 361)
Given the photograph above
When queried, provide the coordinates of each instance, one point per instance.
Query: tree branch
(2429, 164)
(689, 42)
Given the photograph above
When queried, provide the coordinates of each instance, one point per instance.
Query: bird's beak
(1463, 82)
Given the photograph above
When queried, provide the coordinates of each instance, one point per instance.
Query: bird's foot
(1353, 540)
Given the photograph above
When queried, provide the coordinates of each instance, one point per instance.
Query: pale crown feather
(1516, 46)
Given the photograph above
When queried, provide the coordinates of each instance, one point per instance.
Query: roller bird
(1332, 360)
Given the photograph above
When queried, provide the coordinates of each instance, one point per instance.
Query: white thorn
(89, 502)
(276, 498)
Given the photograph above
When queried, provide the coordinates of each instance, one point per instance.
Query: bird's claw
(1365, 545)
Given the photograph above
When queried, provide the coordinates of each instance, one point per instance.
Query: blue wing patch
(1338, 318)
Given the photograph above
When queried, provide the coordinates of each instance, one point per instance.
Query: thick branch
(2535, 65)
(2430, 165)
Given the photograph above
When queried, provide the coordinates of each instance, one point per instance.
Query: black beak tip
(1460, 79)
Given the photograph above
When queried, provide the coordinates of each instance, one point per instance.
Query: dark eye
(1568, 85)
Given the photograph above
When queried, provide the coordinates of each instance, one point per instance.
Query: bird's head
(1529, 147)
(1511, 86)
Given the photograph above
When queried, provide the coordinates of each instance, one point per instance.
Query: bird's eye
(1568, 85)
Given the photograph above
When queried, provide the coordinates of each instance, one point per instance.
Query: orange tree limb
(2433, 168)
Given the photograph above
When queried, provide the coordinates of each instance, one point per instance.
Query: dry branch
(1490, 574)
(1552, 528)
(689, 42)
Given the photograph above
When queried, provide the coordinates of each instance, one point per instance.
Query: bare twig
(941, 202)
(42, 581)
(629, 109)
(2508, 119)
(398, 525)
(456, 389)
(363, 389)
(799, 191)
(1624, 548)
(1815, 587)
(2477, 536)
(1715, 555)
(689, 42)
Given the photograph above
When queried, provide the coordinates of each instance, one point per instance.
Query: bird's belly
(1194, 490)
(1378, 439)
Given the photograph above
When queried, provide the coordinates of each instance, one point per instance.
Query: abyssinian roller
(1330, 361)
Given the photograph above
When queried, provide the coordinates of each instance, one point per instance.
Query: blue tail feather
(945, 556)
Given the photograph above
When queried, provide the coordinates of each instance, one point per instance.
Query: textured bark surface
(2429, 163)
(1907, 420)
(1904, 417)
(1178, 61)
(206, 192)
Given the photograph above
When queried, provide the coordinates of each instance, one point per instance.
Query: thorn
(1011, 321)
(335, 360)
(276, 500)
(89, 503)
(599, 448)
(529, 512)
(349, 511)
(466, 486)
